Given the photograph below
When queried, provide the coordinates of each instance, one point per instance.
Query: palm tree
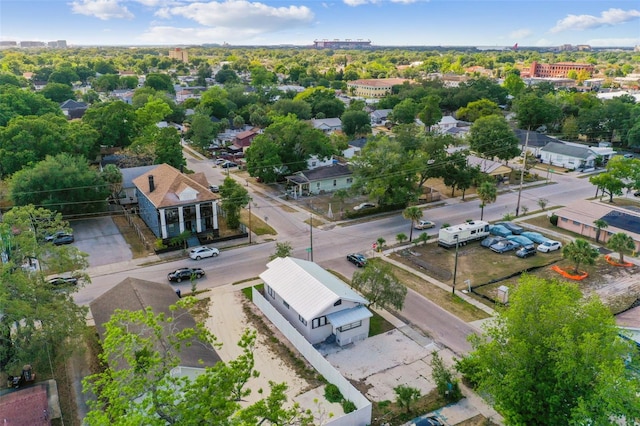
(413, 213)
(580, 252)
(621, 243)
(487, 192)
(381, 242)
(600, 225)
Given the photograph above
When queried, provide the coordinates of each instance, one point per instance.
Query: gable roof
(71, 104)
(134, 294)
(321, 173)
(130, 173)
(326, 122)
(168, 182)
(307, 288)
(487, 166)
(536, 140)
(381, 113)
(568, 150)
(358, 143)
(619, 219)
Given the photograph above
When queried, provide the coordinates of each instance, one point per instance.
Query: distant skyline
(502, 23)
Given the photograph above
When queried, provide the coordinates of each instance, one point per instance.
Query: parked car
(51, 237)
(536, 237)
(424, 224)
(201, 252)
(499, 230)
(521, 240)
(549, 245)
(489, 241)
(357, 259)
(60, 238)
(214, 188)
(364, 206)
(428, 421)
(229, 164)
(504, 246)
(526, 251)
(185, 274)
(63, 281)
(515, 229)
(220, 161)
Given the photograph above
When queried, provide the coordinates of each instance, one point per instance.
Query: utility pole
(311, 238)
(455, 269)
(524, 164)
(250, 221)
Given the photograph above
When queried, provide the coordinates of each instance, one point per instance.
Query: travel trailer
(463, 233)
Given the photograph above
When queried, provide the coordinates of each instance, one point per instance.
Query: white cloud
(584, 22)
(101, 9)
(405, 1)
(245, 16)
(521, 33)
(173, 35)
(355, 3)
(163, 13)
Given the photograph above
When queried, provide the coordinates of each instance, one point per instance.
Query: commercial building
(179, 54)
(374, 88)
(560, 69)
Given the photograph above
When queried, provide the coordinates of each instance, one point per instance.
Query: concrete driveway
(101, 239)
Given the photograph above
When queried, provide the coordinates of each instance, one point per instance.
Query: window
(350, 326)
(286, 305)
(319, 322)
(575, 222)
(271, 292)
(349, 180)
(564, 219)
(302, 320)
(339, 302)
(318, 185)
(335, 182)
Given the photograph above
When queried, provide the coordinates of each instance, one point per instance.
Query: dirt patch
(389, 412)
(478, 420)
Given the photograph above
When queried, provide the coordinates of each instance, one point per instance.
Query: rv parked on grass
(463, 233)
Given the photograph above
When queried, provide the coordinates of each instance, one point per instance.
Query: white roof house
(327, 125)
(316, 302)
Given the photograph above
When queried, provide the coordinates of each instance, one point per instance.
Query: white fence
(362, 415)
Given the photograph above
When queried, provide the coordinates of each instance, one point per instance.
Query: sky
(502, 23)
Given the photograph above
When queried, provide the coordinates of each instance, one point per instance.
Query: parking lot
(101, 240)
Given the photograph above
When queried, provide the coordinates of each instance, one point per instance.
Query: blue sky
(384, 22)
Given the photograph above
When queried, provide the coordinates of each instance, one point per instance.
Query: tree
(412, 213)
(283, 249)
(478, 109)
(355, 123)
(487, 193)
(381, 242)
(63, 183)
(422, 238)
(168, 149)
(580, 252)
(405, 112)
(492, 137)
(620, 173)
(114, 121)
(447, 385)
(379, 285)
(112, 176)
(141, 348)
(514, 84)
(430, 114)
(542, 203)
(234, 198)
(15, 102)
(406, 396)
(159, 82)
(37, 322)
(600, 225)
(401, 237)
(299, 108)
(201, 131)
(533, 111)
(622, 244)
(541, 365)
(58, 92)
(609, 183)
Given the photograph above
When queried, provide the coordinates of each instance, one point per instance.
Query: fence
(362, 415)
(136, 227)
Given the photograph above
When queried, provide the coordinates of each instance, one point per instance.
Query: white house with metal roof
(316, 302)
(569, 156)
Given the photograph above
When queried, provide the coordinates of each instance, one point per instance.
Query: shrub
(348, 406)
(332, 393)
(553, 219)
(159, 244)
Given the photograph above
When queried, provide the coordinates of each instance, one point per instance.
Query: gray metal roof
(536, 140)
(340, 318)
(568, 150)
(321, 173)
(130, 173)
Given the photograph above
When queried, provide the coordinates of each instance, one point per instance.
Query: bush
(332, 393)
(159, 244)
(553, 219)
(348, 406)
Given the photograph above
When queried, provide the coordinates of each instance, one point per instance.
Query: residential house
(355, 146)
(629, 321)
(125, 96)
(579, 216)
(133, 294)
(171, 203)
(243, 139)
(38, 85)
(320, 180)
(374, 88)
(327, 125)
(73, 109)
(489, 167)
(128, 193)
(533, 141)
(316, 302)
(568, 156)
(446, 122)
(379, 117)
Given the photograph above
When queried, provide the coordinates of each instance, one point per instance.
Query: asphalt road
(332, 243)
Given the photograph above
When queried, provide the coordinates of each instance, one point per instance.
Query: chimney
(152, 185)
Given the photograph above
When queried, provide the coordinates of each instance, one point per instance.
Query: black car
(63, 281)
(59, 238)
(185, 274)
(515, 229)
(357, 259)
(526, 251)
(428, 421)
(228, 165)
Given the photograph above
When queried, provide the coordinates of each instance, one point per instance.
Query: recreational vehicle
(463, 233)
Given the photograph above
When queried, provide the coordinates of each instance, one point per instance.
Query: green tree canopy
(16, 102)
(234, 198)
(379, 285)
(114, 121)
(580, 252)
(160, 82)
(533, 111)
(355, 123)
(58, 92)
(492, 137)
(622, 244)
(487, 193)
(553, 357)
(414, 214)
(63, 183)
(477, 109)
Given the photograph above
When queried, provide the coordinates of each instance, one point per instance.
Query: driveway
(101, 240)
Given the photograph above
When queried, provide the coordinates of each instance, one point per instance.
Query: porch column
(198, 224)
(181, 219)
(163, 224)
(214, 204)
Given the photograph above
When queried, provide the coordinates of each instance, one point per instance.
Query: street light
(455, 268)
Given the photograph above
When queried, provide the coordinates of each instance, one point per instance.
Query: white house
(569, 156)
(327, 125)
(316, 302)
(379, 116)
(446, 122)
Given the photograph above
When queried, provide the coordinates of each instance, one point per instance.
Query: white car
(364, 206)
(424, 224)
(548, 246)
(201, 252)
